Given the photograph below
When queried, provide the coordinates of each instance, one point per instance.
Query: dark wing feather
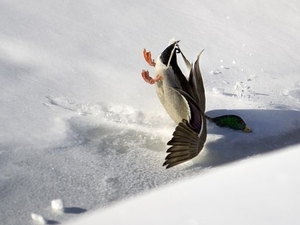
(186, 143)
(195, 80)
(196, 83)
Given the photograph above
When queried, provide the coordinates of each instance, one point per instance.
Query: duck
(233, 122)
(184, 101)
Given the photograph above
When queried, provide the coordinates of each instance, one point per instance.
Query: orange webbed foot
(148, 79)
(148, 58)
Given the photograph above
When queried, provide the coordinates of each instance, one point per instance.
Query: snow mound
(57, 205)
(38, 218)
(254, 188)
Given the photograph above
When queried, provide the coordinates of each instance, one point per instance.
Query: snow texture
(248, 192)
(79, 124)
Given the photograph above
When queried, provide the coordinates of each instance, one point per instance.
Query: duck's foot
(148, 79)
(148, 58)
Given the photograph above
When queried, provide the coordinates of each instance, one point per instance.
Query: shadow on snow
(272, 130)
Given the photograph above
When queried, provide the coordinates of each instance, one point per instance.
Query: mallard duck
(230, 121)
(184, 101)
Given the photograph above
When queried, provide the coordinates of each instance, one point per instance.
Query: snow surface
(79, 124)
(249, 192)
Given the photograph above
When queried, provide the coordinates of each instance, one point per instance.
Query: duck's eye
(177, 50)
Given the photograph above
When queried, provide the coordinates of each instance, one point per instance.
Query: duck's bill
(247, 130)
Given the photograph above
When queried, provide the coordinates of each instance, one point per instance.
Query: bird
(184, 101)
(230, 121)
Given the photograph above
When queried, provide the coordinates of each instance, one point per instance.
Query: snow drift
(79, 124)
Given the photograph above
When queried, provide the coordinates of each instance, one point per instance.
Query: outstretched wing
(196, 83)
(186, 143)
(195, 80)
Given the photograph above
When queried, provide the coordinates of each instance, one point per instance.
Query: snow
(57, 205)
(38, 218)
(251, 191)
(79, 124)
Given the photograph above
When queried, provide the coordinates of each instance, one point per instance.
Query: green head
(231, 121)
